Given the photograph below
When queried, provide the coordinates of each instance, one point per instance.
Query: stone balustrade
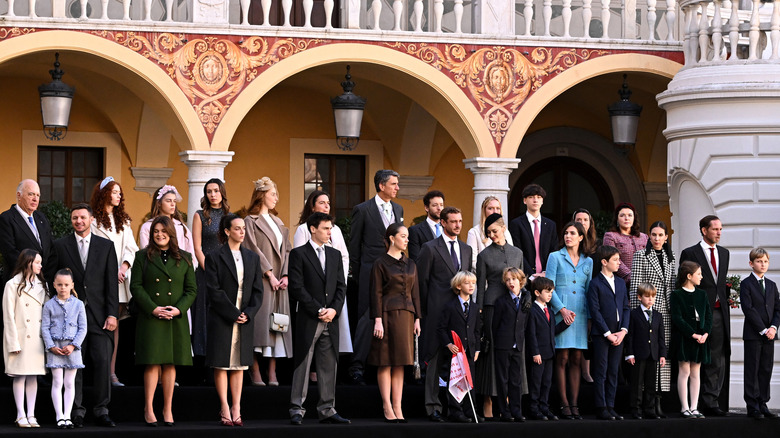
(606, 21)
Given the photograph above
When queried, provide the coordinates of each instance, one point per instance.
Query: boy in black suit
(510, 317)
(541, 333)
(461, 316)
(535, 234)
(645, 349)
(610, 317)
(761, 305)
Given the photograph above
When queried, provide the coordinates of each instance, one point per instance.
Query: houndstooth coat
(646, 269)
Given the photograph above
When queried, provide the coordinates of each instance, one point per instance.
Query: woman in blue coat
(163, 287)
(571, 270)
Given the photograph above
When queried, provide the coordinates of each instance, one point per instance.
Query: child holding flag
(459, 331)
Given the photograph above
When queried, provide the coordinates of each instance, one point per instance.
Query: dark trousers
(326, 365)
(432, 401)
(713, 375)
(643, 385)
(508, 380)
(759, 361)
(464, 407)
(604, 368)
(364, 329)
(96, 352)
(539, 384)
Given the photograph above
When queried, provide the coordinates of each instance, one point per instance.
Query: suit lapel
(227, 257)
(444, 252)
(373, 213)
(311, 255)
(702, 261)
(73, 252)
(723, 267)
(426, 229)
(464, 259)
(397, 214)
(527, 227)
(22, 224)
(262, 224)
(157, 261)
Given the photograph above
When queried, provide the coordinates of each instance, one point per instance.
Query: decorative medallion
(498, 79)
(211, 71)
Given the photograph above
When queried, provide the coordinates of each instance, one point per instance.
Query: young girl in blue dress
(64, 327)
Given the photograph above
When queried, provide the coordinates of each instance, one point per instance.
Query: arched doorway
(570, 184)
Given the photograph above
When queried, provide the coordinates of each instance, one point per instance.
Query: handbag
(280, 322)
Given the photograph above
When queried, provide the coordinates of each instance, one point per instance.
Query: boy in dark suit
(461, 316)
(761, 305)
(610, 316)
(541, 333)
(510, 317)
(645, 348)
(535, 234)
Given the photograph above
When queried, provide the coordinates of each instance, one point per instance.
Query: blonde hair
(262, 186)
(488, 199)
(515, 273)
(461, 278)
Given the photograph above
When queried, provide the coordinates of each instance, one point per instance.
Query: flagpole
(476, 417)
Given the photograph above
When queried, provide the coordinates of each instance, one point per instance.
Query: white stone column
(494, 17)
(723, 156)
(203, 165)
(491, 177)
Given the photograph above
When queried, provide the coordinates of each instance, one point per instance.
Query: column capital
(149, 179)
(201, 167)
(491, 178)
(491, 165)
(213, 158)
(414, 187)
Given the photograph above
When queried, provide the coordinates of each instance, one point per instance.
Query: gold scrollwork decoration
(10, 32)
(211, 71)
(499, 79)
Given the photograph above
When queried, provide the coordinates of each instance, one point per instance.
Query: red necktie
(547, 314)
(536, 246)
(714, 265)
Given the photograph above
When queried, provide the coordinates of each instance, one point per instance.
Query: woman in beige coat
(267, 236)
(23, 350)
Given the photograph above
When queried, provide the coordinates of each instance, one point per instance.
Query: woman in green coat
(163, 287)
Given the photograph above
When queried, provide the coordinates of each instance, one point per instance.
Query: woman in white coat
(23, 350)
(113, 223)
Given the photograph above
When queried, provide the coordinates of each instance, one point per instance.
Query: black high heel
(566, 413)
(575, 412)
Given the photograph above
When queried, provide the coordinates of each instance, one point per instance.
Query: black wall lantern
(56, 98)
(348, 115)
(625, 119)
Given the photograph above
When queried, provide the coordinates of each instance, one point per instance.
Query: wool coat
(222, 287)
(156, 284)
(22, 328)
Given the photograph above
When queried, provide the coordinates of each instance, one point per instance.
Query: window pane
(77, 190)
(77, 163)
(93, 160)
(44, 182)
(44, 163)
(58, 189)
(355, 174)
(58, 162)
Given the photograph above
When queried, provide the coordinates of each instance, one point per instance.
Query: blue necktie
(454, 256)
(517, 303)
(438, 230)
(34, 228)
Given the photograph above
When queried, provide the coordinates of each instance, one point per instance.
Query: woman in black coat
(234, 282)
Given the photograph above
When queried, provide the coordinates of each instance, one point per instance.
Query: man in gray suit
(439, 261)
(317, 283)
(370, 219)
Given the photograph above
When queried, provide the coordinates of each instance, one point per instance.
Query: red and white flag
(460, 375)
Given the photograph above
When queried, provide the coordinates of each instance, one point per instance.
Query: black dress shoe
(296, 420)
(78, 422)
(605, 414)
(615, 414)
(460, 419)
(756, 415)
(552, 417)
(104, 421)
(636, 415)
(335, 419)
(539, 416)
(436, 417)
(767, 413)
(519, 419)
(650, 415)
(717, 412)
(504, 419)
(357, 379)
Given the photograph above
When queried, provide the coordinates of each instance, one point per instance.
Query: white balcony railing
(724, 31)
(605, 20)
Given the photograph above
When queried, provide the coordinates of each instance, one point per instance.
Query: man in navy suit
(370, 219)
(761, 305)
(535, 234)
(610, 318)
(428, 229)
(645, 349)
(317, 283)
(439, 261)
(714, 262)
(95, 270)
(22, 226)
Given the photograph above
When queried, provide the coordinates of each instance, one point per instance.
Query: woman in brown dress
(395, 307)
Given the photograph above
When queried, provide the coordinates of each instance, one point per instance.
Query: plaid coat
(646, 269)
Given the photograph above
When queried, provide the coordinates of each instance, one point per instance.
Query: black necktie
(454, 256)
(466, 309)
(649, 316)
(517, 303)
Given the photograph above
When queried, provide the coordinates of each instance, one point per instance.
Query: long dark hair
(308, 207)
(24, 267)
(582, 247)
(224, 224)
(667, 248)
(101, 198)
(392, 230)
(686, 268)
(591, 238)
(205, 205)
(616, 226)
(152, 250)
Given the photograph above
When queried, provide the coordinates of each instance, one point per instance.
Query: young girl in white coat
(23, 300)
